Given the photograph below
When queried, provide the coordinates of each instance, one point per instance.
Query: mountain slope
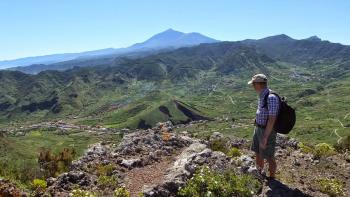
(167, 39)
(211, 78)
(54, 94)
(50, 59)
(224, 58)
(174, 39)
(302, 52)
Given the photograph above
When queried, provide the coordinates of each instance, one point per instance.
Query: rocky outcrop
(171, 159)
(284, 141)
(67, 181)
(136, 150)
(216, 136)
(197, 154)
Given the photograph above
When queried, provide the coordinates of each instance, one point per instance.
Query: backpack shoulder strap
(265, 99)
(267, 96)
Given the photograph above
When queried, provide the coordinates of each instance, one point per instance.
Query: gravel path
(153, 174)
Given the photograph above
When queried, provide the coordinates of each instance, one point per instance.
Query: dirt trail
(153, 174)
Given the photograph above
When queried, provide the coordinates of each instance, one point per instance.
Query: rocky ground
(298, 172)
(158, 161)
(8, 189)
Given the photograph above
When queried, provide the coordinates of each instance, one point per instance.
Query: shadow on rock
(278, 189)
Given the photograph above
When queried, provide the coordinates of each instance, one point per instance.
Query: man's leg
(259, 162)
(272, 167)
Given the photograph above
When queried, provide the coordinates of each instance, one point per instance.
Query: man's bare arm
(270, 123)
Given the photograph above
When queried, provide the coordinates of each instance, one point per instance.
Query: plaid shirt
(270, 110)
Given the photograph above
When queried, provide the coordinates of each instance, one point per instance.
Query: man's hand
(263, 143)
(270, 122)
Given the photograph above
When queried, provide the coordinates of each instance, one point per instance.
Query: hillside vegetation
(209, 78)
(44, 117)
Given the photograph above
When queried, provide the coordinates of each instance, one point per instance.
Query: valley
(200, 89)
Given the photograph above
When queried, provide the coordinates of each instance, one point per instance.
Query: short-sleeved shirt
(262, 113)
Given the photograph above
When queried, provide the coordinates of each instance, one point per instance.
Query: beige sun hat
(258, 78)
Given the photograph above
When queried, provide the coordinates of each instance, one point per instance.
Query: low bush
(234, 152)
(323, 150)
(306, 92)
(55, 164)
(105, 169)
(121, 192)
(305, 148)
(332, 187)
(343, 145)
(38, 186)
(320, 150)
(20, 170)
(39, 183)
(105, 182)
(206, 182)
(82, 193)
(219, 145)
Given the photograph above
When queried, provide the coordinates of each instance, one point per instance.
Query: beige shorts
(269, 151)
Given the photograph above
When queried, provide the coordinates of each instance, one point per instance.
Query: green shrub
(82, 193)
(234, 152)
(107, 181)
(306, 103)
(38, 187)
(305, 149)
(206, 182)
(332, 187)
(306, 92)
(52, 164)
(323, 150)
(23, 170)
(219, 145)
(121, 192)
(320, 150)
(39, 183)
(105, 169)
(343, 145)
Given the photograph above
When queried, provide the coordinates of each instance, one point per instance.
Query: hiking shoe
(260, 175)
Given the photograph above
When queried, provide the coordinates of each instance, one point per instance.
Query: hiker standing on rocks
(264, 140)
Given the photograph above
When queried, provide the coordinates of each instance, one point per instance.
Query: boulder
(284, 141)
(237, 143)
(246, 162)
(197, 154)
(131, 163)
(216, 136)
(67, 181)
(97, 149)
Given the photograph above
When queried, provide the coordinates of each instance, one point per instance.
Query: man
(264, 140)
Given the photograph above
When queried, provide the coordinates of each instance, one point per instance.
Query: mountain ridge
(175, 39)
(211, 77)
(54, 58)
(304, 51)
(278, 47)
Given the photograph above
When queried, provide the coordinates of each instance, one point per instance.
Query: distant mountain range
(304, 51)
(130, 90)
(173, 39)
(54, 91)
(169, 39)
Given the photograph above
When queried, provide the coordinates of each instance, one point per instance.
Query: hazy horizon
(39, 28)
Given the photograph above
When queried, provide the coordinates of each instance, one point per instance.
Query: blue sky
(40, 27)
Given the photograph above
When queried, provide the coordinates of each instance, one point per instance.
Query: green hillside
(206, 82)
(209, 80)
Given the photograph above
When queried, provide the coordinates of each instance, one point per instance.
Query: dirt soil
(138, 178)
